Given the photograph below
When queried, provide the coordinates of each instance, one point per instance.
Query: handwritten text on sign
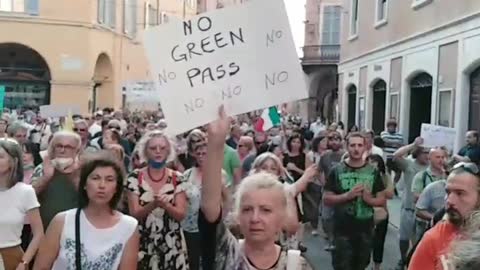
(232, 56)
(438, 136)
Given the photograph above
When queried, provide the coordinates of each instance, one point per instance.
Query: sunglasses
(117, 128)
(468, 167)
(334, 138)
(79, 130)
(259, 143)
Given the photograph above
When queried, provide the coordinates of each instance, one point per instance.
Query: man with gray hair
(56, 180)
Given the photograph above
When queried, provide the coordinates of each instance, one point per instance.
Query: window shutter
(101, 11)
(32, 7)
(111, 13)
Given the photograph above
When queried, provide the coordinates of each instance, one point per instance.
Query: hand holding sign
(231, 56)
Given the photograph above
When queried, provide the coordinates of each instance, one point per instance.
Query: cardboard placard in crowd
(58, 110)
(438, 136)
(242, 56)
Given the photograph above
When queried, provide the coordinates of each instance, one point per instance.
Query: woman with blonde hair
(156, 197)
(260, 208)
(22, 206)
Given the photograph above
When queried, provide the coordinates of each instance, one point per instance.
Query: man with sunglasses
(463, 198)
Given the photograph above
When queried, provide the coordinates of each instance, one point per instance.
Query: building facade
(79, 53)
(321, 55)
(417, 61)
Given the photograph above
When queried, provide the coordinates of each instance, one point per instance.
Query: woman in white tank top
(108, 239)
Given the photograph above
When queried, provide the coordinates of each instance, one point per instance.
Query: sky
(296, 16)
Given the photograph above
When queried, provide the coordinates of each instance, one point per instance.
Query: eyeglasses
(336, 138)
(66, 147)
(468, 167)
(79, 130)
(112, 127)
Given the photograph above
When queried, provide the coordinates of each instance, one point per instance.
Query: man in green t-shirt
(353, 187)
(232, 166)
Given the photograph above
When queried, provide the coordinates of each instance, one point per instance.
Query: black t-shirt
(356, 215)
(299, 161)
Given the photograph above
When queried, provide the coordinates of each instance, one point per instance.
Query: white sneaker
(314, 232)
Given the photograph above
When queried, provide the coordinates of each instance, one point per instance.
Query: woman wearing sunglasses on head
(95, 236)
(260, 208)
(22, 207)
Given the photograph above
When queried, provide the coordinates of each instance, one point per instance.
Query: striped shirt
(392, 141)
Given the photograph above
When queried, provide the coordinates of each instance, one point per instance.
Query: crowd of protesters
(114, 191)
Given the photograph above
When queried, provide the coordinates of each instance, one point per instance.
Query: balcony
(321, 55)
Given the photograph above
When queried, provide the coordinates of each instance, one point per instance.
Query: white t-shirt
(94, 129)
(15, 202)
(101, 249)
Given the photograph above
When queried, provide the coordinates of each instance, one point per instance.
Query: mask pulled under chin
(62, 163)
(156, 164)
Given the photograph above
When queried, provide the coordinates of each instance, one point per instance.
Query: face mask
(62, 163)
(156, 164)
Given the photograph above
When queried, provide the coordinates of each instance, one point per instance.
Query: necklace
(158, 180)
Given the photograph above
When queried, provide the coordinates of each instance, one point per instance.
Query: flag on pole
(68, 124)
(269, 118)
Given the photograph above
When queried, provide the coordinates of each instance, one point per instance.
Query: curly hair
(143, 144)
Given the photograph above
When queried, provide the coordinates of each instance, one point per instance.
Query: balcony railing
(321, 54)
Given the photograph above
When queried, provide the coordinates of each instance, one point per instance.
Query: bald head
(437, 158)
(472, 137)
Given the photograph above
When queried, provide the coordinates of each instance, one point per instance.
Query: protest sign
(58, 110)
(436, 136)
(243, 57)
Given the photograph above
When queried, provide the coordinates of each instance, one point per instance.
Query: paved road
(321, 259)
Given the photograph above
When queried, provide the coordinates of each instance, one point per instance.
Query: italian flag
(269, 118)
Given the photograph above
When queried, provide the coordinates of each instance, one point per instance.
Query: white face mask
(62, 163)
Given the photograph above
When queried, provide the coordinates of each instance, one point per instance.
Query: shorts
(407, 224)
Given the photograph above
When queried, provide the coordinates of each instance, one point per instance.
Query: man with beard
(56, 180)
(463, 185)
(353, 187)
(327, 161)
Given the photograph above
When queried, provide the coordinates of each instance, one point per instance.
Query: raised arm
(404, 150)
(212, 178)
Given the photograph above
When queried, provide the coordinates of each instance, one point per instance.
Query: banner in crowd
(58, 110)
(437, 136)
(242, 56)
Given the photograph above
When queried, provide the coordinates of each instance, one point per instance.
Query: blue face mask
(156, 164)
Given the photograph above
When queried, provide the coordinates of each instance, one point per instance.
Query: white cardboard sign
(243, 57)
(437, 136)
(54, 111)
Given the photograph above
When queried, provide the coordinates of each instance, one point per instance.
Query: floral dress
(162, 245)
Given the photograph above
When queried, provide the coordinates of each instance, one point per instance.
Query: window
(416, 4)
(331, 25)
(445, 108)
(20, 6)
(106, 12)
(394, 106)
(353, 18)
(361, 113)
(129, 18)
(381, 12)
(151, 15)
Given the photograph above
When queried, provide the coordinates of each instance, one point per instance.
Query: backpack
(293, 257)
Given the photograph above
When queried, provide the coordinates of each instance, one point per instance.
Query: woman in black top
(294, 159)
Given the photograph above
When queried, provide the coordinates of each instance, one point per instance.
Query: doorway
(378, 113)
(420, 104)
(474, 106)
(352, 106)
